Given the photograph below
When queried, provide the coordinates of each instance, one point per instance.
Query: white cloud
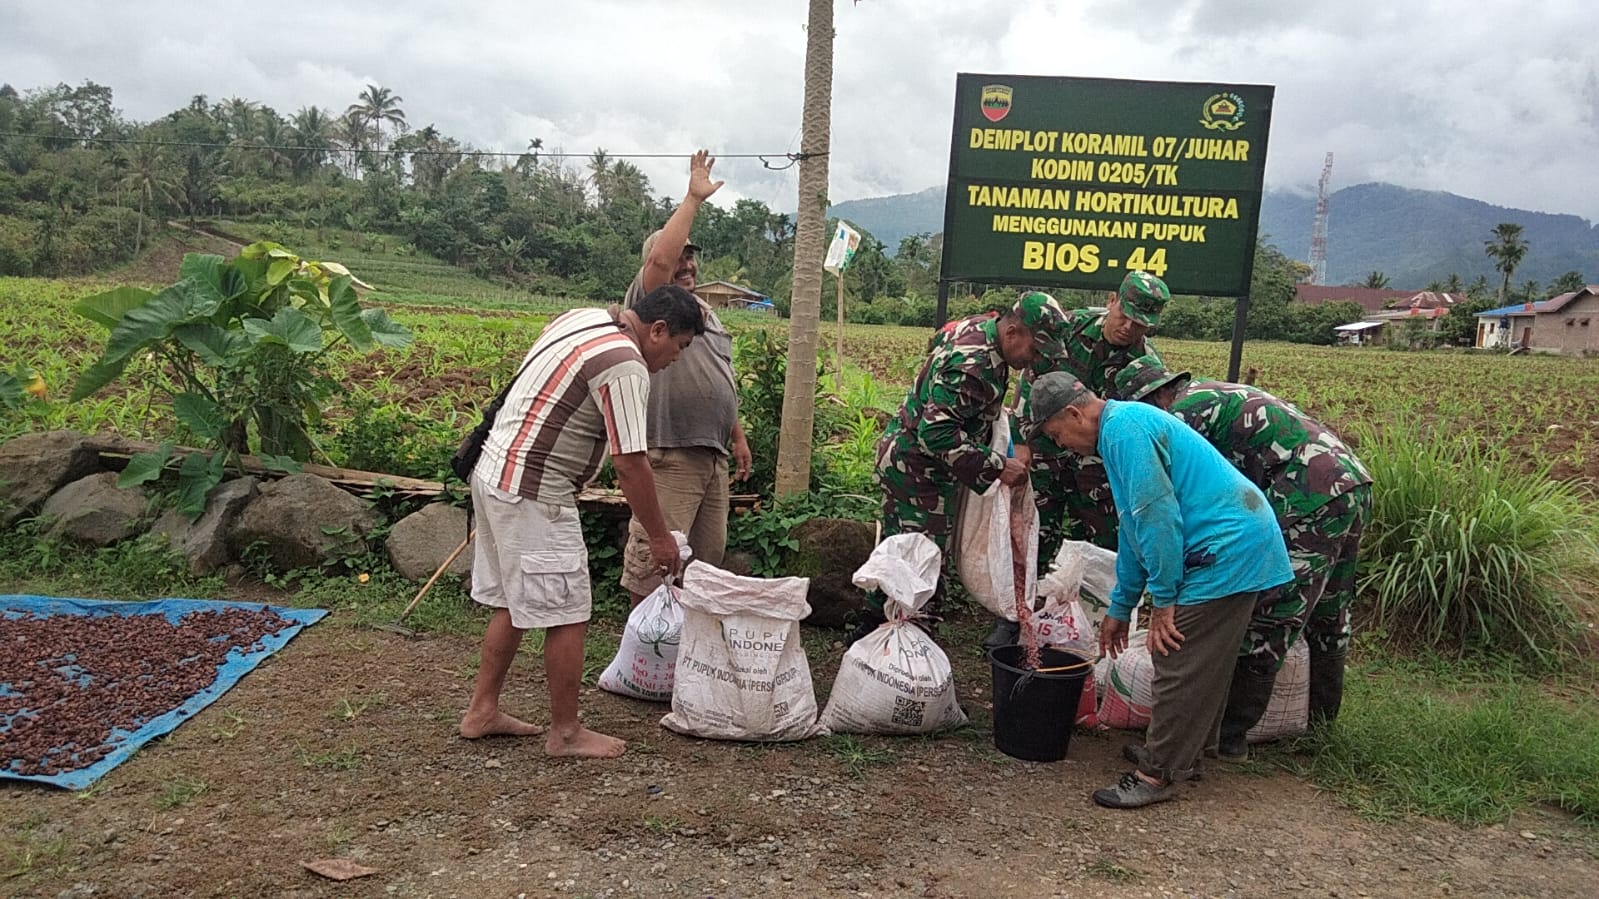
(1498, 101)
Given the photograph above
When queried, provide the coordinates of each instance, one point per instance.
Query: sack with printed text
(1082, 577)
(983, 547)
(896, 680)
(647, 659)
(741, 670)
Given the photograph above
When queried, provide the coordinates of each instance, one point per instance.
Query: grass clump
(1473, 752)
(1466, 554)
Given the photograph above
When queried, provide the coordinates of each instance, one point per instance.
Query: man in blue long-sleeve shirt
(1195, 535)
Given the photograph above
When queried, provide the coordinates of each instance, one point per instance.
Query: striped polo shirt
(587, 389)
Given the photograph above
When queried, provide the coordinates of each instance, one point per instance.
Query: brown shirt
(693, 401)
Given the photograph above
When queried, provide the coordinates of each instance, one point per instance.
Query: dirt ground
(344, 745)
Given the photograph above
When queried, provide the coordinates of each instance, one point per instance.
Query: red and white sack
(1064, 625)
(896, 680)
(1288, 713)
(646, 661)
(983, 545)
(741, 670)
(1129, 684)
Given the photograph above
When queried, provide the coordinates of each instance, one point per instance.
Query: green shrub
(1467, 554)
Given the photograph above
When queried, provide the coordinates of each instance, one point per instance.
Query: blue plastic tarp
(238, 663)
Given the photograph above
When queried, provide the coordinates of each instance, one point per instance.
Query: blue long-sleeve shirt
(1193, 528)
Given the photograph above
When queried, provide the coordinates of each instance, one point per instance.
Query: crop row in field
(1544, 407)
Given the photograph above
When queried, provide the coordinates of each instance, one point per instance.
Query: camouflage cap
(1143, 376)
(1053, 392)
(1143, 296)
(1041, 314)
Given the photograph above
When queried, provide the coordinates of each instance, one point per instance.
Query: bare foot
(500, 724)
(583, 743)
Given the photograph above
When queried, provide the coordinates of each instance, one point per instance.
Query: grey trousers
(1191, 685)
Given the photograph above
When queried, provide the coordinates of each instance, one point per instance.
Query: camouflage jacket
(1294, 460)
(950, 411)
(1089, 358)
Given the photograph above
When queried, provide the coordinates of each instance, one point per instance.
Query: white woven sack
(1288, 713)
(1084, 572)
(647, 659)
(741, 670)
(983, 551)
(896, 680)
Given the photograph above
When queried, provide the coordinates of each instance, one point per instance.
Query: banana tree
(241, 349)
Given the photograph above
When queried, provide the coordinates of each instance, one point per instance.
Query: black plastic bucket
(1034, 713)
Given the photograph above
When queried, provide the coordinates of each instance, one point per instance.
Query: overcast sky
(1493, 100)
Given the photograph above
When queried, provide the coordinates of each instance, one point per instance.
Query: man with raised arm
(693, 412)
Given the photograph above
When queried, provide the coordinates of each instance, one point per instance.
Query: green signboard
(1071, 182)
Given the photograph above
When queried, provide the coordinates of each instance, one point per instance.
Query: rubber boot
(1246, 702)
(1326, 685)
(1005, 633)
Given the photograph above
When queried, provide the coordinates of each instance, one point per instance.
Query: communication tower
(1318, 236)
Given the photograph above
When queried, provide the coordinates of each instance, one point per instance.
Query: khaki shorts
(691, 484)
(529, 557)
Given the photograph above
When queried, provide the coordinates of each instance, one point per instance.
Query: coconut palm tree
(353, 131)
(313, 134)
(378, 105)
(1508, 249)
(150, 179)
(805, 310)
(599, 173)
(239, 115)
(1376, 280)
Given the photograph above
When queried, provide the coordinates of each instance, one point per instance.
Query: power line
(765, 158)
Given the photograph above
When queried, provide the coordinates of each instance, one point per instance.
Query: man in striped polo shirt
(584, 387)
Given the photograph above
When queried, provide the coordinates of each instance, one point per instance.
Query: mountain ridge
(1414, 237)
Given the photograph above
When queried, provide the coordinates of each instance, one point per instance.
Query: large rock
(304, 521)
(830, 549)
(34, 466)
(204, 542)
(95, 510)
(421, 541)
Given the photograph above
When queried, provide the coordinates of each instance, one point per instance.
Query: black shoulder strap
(506, 391)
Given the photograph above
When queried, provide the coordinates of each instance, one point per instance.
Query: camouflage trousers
(920, 496)
(1323, 547)
(1074, 501)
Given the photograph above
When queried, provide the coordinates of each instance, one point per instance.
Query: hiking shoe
(1005, 633)
(1133, 791)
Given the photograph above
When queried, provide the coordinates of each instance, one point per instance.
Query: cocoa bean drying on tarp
(74, 679)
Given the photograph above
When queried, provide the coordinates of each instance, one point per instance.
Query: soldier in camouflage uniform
(939, 441)
(1072, 491)
(1322, 496)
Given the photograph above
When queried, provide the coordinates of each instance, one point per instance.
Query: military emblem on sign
(996, 101)
(1223, 112)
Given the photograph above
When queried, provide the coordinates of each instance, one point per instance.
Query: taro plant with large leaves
(241, 348)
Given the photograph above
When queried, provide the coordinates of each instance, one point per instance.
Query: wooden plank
(357, 481)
